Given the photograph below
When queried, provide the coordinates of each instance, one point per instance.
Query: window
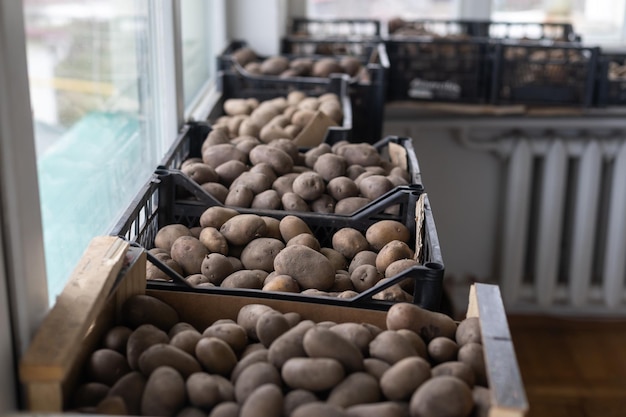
(599, 22)
(382, 9)
(196, 47)
(93, 98)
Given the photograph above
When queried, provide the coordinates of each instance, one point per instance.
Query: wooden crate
(111, 271)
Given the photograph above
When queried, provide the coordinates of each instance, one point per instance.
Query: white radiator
(564, 226)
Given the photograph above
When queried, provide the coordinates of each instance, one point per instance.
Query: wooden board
(110, 272)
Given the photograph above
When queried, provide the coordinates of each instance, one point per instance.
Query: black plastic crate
(611, 79)
(535, 74)
(367, 90)
(155, 207)
(232, 85)
(558, 32)
(439, 70)
(324, 27)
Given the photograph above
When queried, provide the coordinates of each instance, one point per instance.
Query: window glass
(196, 43)
(88, 65)
(596, 21)
(382, 9)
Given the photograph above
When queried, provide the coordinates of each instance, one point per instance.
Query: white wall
(261, 23)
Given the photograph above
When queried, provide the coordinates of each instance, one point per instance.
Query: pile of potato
(272, 364)
(287, 67)
(250, 160)
(235, 250)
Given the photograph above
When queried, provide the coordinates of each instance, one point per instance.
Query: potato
(228, 172)
(107, 366)
(216, 190)
(330, 166)
(231, 333)
(319, 342)
(216, 155)
(353, 171)
(111, 405)
(130, 388)
(198, 279)
(296, 96)
(309, 185)
(243, 55)
(295, 398)
(416, 341)
(305, 239)
(293, 202)
(242, 229)
(379, 409)
(291, 226)
(239, 196)
(89, 394)
(366, 257)
(457, 369)
(189, 253)
(255, 181)
(216, 267)
(400, 381)
(312, 374)
(167, 234)
(289, 344)
(254, 376)
(468, 331)
(269, 326)
(233, 124)
(324, 204)
(154, 272)
(375, 367)
(282, 283)
(442, 396)
(200, 172)
(391, 252)
(482, 401)
(308, 103)
(442, 349)
(260, 253)
(399, 266)
(216, 216)
(142, 309)
(265, 169)
(308, 267)
(116, 338)
(311, 156)
(164, 394)
(274, 65)
(355, 333)
(336, 259)
(332, 110)
(246, 278)
(266, 400)
(225, 409)
(365, 277)
(266, 200)
(427, 324)
(215, 356)
(162, 354)
(356, 388)
(384, 231)
(349, 242)
(272, 227)
(342, 283)
(256, 356)
(302, 117)
(186, 340)
(278, 159)
(245, 143)
(341, 187)
(326, 66)
(248, 316)
(202, 390)
(472, 354)
(362, 154)
(391, 347)
(213, 240)
(284, 183)
(215, 137)
(181, 326)
(351, 204)
(375, 186)
(393, 293)
(318, 408)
